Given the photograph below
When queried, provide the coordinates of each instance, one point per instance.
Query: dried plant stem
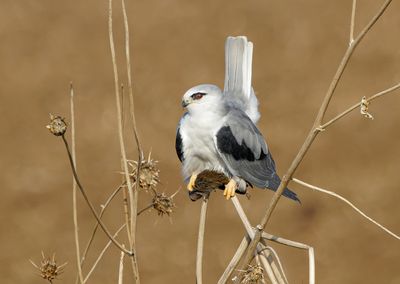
(103, 227)
(121, 268)
(357, 105)
(235, 260)
(74, 189)
(200, 241)
(119, 111)
(311, 257)
(352, 21)
(273, 273)
(102, 254)
(135, 197)
(145, 208)
(133, 208)
(268, 269)
(258, 261)
(96, 225)
(348, 203)
(269, 252)
(312, 134)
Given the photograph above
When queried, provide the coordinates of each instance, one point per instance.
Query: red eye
(197, 96)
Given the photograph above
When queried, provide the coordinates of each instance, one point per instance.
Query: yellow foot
(230, 189)
(191, 183)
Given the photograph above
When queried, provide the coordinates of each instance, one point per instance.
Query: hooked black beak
(185, 103)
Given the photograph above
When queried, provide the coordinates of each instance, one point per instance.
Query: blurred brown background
(176, 45)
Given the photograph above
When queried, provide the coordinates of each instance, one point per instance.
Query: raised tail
(238, 71)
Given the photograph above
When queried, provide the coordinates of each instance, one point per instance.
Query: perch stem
(312, 134)
(200, 241)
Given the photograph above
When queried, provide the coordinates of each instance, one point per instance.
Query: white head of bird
(202, 98)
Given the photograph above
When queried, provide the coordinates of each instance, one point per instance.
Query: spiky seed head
(253, 275)
(57, 125)
(48, 268)
(163, 204)
(149, 174)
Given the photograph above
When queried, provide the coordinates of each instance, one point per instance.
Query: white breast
(199, 149)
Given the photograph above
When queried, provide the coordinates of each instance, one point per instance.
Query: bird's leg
(230, 189)
(192, 181)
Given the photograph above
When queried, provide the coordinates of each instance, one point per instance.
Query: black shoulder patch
(178, 146)
(227, 144)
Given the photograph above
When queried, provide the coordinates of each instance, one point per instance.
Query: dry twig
(348, 203)
(200, 241)
(312, 134)
(74, 189)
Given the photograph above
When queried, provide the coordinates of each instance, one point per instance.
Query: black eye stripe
(197, 96)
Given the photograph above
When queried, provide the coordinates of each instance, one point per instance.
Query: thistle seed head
(48, 268)
(163, 204)
(57, 125)
(253, 275)
(148, 173)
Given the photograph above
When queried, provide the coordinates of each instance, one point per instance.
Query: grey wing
(244, 151)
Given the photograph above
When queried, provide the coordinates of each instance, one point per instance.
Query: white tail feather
(238, 72)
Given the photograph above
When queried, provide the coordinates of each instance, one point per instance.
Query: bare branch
(74, 189)
(273, 274)
(312, 134)
(121, 268)
(348, 203)
(96, 225)
(352, 21)
(235, 260)
(200, 241)
(103, 227)
(102, 254)
(357, 105)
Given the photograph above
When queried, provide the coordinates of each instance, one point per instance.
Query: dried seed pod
(148, 173)
(57, 125)
(48, 268)
(163, 204)
(253, 275)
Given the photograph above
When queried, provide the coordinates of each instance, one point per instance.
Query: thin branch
(357, 105)
(259, 264)
(145, 208)
(352, 22)
(348, 203)
(74, 189)
(311, 257)
(268, 268)
(134, 195)
(132, 112)
(102, 254)
(278, 269)
(235, 260)
(312, 134)
(96, 225)
(121, 268)
(200, 241)
(119, 112)
(104, 228)
(274, 278)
